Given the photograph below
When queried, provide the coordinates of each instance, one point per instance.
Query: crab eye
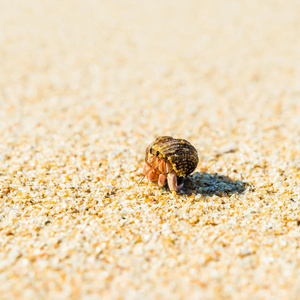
(154, 152)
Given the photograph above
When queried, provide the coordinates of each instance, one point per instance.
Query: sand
(85, 86)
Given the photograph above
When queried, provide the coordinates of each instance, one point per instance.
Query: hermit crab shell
(179, 152)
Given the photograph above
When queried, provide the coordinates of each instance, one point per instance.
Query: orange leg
(152, 176)
(146, 169)
(169, 167)
(161, 180)
(148, 166)
(162, 167)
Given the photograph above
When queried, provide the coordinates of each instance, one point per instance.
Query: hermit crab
(167, 159)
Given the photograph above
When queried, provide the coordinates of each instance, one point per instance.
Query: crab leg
(146, 169)
(169, 167)
(148, 166)
(172, 181)
(161, 180)
(152, 176)
(162, 167)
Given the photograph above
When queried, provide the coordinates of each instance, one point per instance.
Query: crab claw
(172, 182)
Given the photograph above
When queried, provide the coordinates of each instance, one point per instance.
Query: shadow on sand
(212, 184)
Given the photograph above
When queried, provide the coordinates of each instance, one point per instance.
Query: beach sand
(85, 86)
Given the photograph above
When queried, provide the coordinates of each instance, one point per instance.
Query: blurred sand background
(85, 86)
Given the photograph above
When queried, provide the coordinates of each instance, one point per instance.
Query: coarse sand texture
(86, 85)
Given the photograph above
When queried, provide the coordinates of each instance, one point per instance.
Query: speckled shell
(180, 153)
